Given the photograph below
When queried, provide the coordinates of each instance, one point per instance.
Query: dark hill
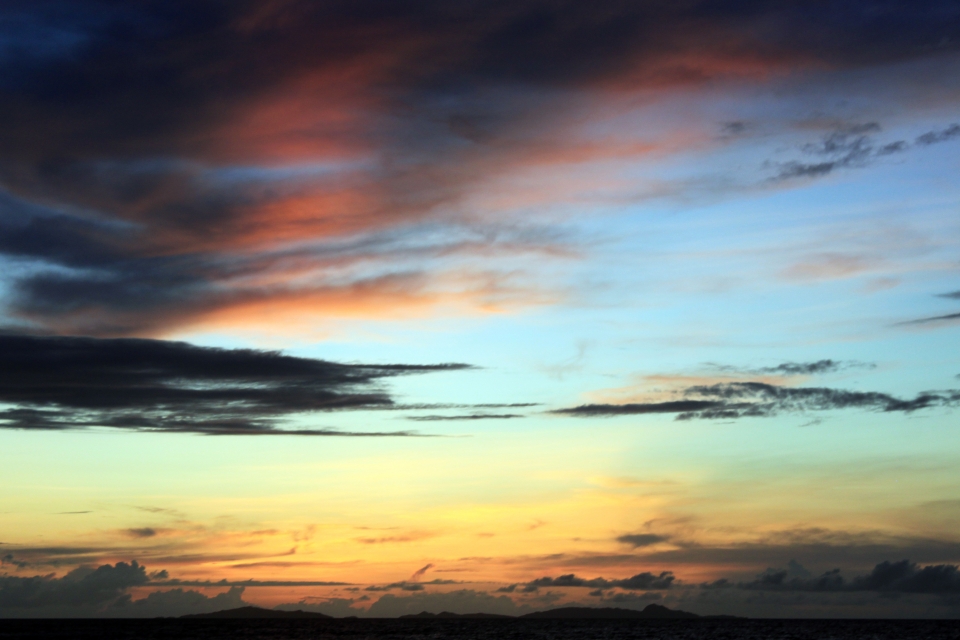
(426, 615)
(651, 612)
(255, 613)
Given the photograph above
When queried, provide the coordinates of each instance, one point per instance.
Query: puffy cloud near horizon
(86, 592)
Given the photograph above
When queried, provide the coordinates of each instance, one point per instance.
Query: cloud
(404, 586)
(949, 318)
(637, 540)
(933, 137)
(627, 599)
(459, 601)
(247, 583)
(804, 368)
(853, 146)
(849, 146)
(337, 607)
(796, 368)
(105, 592)
(641, 581)
(407, 537)
(421, 571)
(732, 400)
(891, 577)
(809, 546)
(472, 416)
(151, 184)
(678, 406)
(63, 383)
(144, 532)
(82, 587)
(177, 602)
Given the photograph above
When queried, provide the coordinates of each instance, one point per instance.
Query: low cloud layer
(104, 592)
(887, 577)
(151, 385)
(640, 582)
(79, 588)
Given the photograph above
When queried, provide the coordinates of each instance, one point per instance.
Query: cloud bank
(63, 383)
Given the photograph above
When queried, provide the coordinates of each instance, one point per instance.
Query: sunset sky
(372, 307)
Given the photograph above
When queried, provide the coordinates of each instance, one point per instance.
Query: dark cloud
(405, 586)
(421, 571)
(10, 559)
(628, 599)
(901, 577)
(850, 146)
(247, 583)
(637, 540)
(933, 137)
(458, 601)
(953, 295)
(408, 585)
(150, 152)
(641, 581)
(152, 385)
(732, 400)
(145, 532)
(472, 416)
(409, 537)
(82, 587)
(804, 368)
(734, 128)
(948, 318)
(337, 607)
(105, 592)
(853, 146)
(677, 406)
(811, 546)
(797, 368)
(176, 602)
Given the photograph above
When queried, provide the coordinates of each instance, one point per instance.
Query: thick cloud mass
(104, 591)
(155, 155)
(80, 587)
(68, 383)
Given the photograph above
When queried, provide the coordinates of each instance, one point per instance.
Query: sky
(370, 308)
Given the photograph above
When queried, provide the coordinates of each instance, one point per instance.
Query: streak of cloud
(60, 383)
(733, 400)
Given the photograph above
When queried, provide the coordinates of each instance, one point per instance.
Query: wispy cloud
(733, 400)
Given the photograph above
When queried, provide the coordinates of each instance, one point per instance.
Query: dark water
(484, 629)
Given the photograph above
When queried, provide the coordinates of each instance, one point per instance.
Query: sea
(368, 629)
